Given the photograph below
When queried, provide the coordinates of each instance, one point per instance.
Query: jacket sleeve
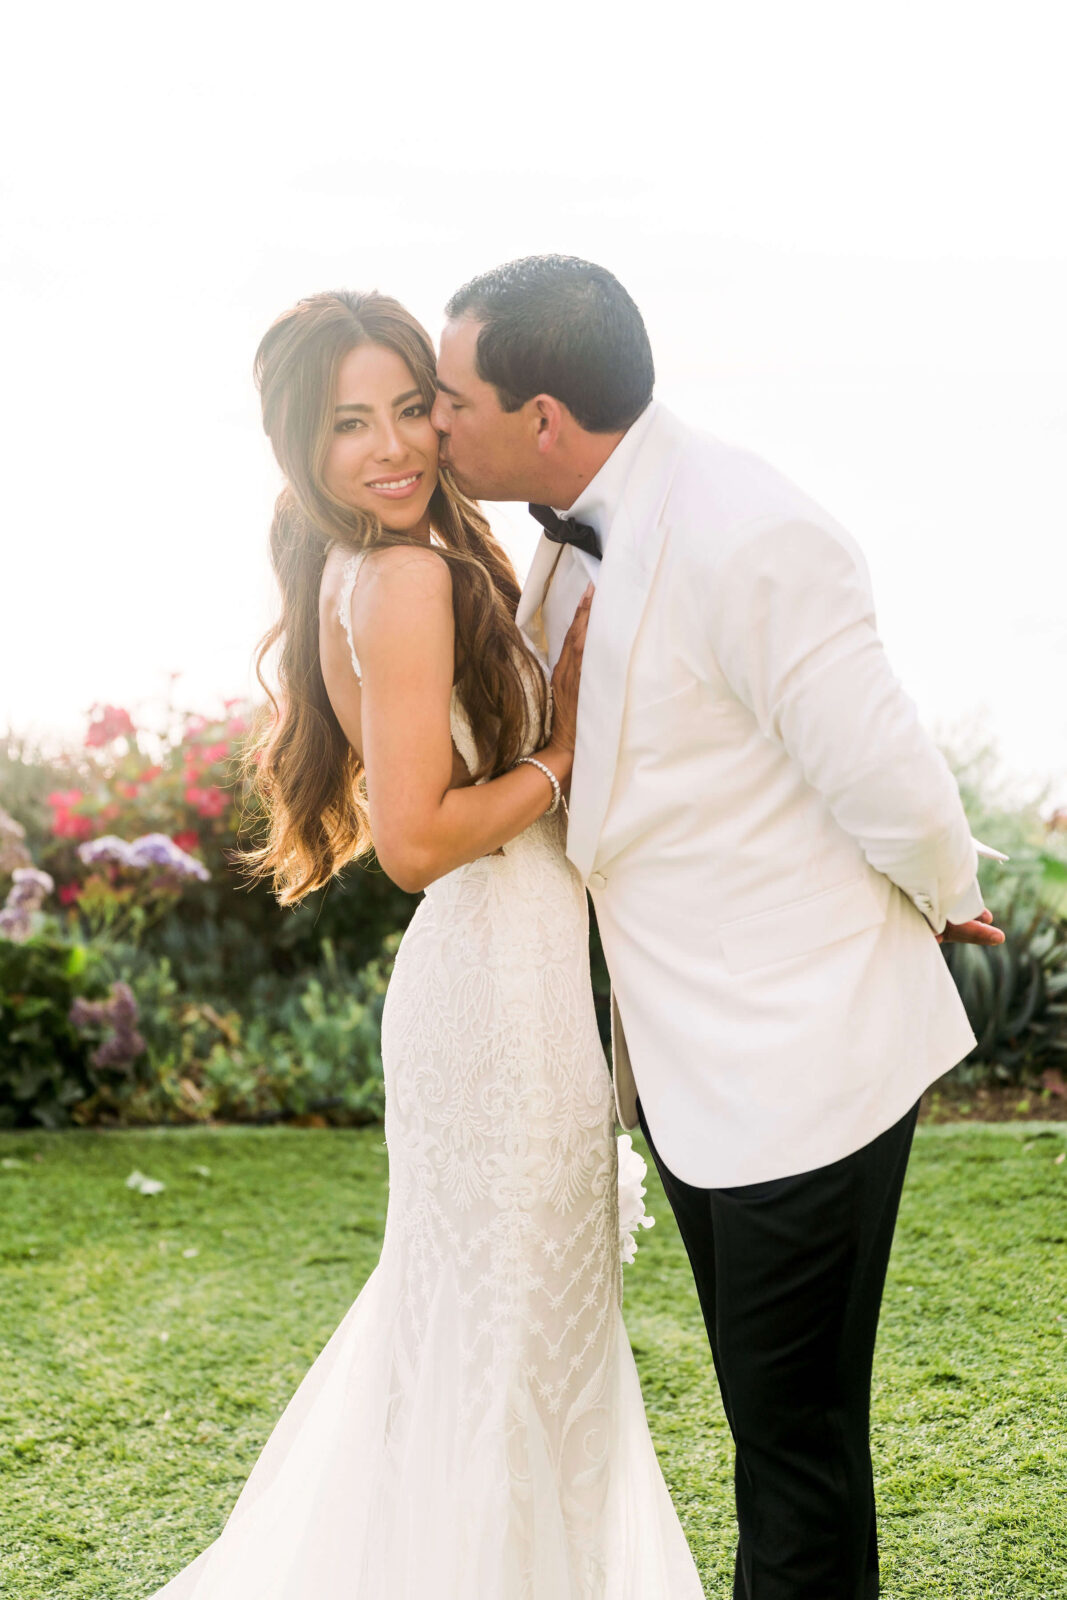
(792, 628)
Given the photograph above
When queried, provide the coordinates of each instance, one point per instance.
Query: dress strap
(349, 573)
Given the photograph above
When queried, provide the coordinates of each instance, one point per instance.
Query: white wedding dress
(474, 1428)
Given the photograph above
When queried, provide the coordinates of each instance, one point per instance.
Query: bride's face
(383, 453)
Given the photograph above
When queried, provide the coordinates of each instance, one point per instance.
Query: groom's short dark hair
(565, 327)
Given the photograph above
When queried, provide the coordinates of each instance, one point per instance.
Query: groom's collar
(602, 495)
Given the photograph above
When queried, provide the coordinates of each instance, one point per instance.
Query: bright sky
(844, 226)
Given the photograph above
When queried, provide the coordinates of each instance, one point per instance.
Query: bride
(474, 1427)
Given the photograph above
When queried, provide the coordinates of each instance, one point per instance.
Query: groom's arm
(792, 625)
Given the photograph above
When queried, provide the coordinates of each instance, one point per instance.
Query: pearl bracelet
(557, 792)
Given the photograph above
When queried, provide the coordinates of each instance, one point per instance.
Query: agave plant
(1015, 996)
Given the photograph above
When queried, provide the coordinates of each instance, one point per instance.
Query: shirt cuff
(967, 907)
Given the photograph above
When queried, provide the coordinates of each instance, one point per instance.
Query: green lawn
(149, 1342)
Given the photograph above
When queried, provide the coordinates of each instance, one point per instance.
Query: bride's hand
(566, 679)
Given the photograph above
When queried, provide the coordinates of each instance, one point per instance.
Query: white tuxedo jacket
(769, 836)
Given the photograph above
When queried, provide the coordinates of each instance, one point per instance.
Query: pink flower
(114, 722)
(189, 839)
(68, 893)
(214, 752)
(209, 802)
(67, 826)
(65, 797)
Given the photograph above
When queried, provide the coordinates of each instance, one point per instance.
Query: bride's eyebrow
(412, 394)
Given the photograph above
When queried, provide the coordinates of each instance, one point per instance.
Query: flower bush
(145, 980)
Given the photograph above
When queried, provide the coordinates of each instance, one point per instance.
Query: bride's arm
(405, 635)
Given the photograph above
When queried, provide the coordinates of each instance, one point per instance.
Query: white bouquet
(633, 1168)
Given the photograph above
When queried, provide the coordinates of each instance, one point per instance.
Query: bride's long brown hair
(297, 760)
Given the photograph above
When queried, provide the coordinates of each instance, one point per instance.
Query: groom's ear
(548, 416)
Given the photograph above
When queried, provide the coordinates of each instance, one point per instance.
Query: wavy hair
(297, 761)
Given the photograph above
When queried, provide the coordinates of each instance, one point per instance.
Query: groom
(774, 848)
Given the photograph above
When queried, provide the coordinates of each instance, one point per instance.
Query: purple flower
(34, 875)
(28, 889)
(150, 850)
(88, 1013)
(123, 1005)
(120, 1049)
(107, 848)
(13, 853)
(158, 850)
(153, 850)
(122, 1043)
(14, 924)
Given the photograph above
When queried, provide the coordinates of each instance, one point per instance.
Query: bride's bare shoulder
(388, 575)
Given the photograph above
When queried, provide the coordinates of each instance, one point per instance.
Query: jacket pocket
(802, 925)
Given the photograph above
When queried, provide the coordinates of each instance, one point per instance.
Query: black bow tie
(565, 530)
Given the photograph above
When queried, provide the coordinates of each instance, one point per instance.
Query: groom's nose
(439, 415)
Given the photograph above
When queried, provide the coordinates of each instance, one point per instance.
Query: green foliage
(317, 1052)
(44, 1067)
(180, 778)
(248, 1010)
(1024, 828)
(1015, 995)
(306, 1048)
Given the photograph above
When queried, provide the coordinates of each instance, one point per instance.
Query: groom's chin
(464, 485)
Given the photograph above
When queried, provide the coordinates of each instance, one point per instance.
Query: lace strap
(349, 573)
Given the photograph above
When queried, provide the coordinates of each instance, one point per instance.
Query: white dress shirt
(596, 506)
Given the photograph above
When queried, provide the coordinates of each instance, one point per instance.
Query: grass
(148, 1344)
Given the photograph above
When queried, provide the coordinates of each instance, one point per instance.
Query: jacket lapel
(631, 554)
(528, 615)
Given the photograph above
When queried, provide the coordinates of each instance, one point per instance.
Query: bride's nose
(387, 445)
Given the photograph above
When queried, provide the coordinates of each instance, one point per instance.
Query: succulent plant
(1015, 995)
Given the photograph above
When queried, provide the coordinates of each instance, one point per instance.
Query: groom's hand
(980, 931)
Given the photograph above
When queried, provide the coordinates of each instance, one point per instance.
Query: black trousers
(790, 1276)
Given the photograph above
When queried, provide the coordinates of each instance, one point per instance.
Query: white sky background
(844, 224)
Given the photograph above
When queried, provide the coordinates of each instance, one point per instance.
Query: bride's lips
(398, 486)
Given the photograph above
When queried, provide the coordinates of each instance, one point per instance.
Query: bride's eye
(416, 410)
(348, 425)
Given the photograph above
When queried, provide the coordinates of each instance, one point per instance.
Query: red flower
(69, 892)
(108, 813)
(208, 802)
(148, 774)
(67, 826)
(214, 752)
(188, 839)
(129, 791)
(114, 722)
